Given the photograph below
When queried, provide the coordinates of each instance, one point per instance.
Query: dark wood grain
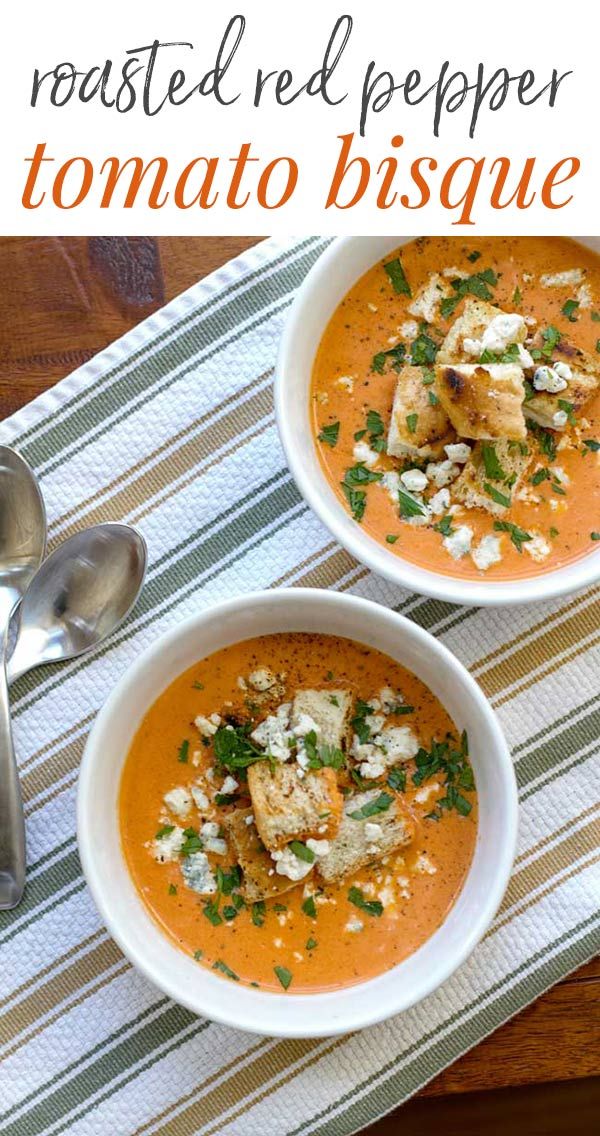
(64, 299)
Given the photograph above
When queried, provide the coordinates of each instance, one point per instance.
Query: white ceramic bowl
(186, 981)
(339, 267)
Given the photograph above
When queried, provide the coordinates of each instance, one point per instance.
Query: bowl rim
(264, 1011)
(319, 495)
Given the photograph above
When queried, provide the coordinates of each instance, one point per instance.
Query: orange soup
(456, 408)
(298, 812)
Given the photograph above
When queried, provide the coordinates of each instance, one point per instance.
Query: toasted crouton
(463, 342)
(289, 804)
(417, 429)
(260, 880)
(326, 711)
(468, 489)
(426, 303)
(356, 844)
(544, 407)
(483, 401)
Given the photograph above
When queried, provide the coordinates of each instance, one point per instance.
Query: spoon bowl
(79, 596)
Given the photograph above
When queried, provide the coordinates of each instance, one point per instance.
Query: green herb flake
(258, 912)
(591, 445)
(380, 805)
(172, 889)
(330, 434)
(596, 317)
(493, 468)
(395, 356)
(234, 749)
(423, 350)
(496, 495)
(229, 912)
(397, 780)
(165, 830)
(359, 435)
(408, 505)
(569, 309)
(595, 536)
(226, 970)
(309, 907)
(369, 906)
(311, 944)
(191, 844)
(198, 954)
(569, 410)
(183, 751)
(517, 296)
(444, 526)
(518, 536)
(433, 398)
(391, 538)
(301, 851)
(553, 532)
(197, 685)
(479, 285)
(284, 975)
(540, 475)
(397, 277)
(411, 422)
(473, 256)
(211, 911)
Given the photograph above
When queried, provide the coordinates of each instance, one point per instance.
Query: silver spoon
(79, 596)
(22, 544)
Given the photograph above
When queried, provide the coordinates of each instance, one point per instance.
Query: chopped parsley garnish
(553, 532)
(428, 377)
(596, 317)
(551, 337)
(322, 756)
(357, 500)
(172, 889)
(359, 474)
(225, 798)
(311, 944)
(359, 723)
(279, 907)
(376, 431)
(408, 505)
(595, 536)
(457, 772)
(198, 954)
(164, 831)
(192, 842)
(258, 912)
(592, 445)
(391, 538)
(473, 256)
(397, 276)
(227, 881)
(411, 422)
(510, 355)
(211, 910)
(359, 435)
(545, 440)
(496, 495)
(234, 750)
(493, 468)
(226, 970)
(380, 805)
(397, 780)
(540, 475)
(395, 355)
(301, 851)
(423, 350)
(369, 906)
(569, 308)
(433, 398)
(183, 751)
(309, 907)
(476, 285)
(284, 975)
(518, 536)
(517, 296)
(197, 685)
(229, 913)
(444, 526)
(569, 410)
(330, 434)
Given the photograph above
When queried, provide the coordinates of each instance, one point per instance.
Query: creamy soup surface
(455, 404)
(298, 812)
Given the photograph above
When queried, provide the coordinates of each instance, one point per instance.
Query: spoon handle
(12, 821)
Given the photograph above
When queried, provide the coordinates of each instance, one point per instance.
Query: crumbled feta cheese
(455, 273)
(373, 832)
(197, 873)
(525, 357)
(472, 346)
(262, 679)
(560, 418)
(502, 331)
(209, 829)
(423, 794)
(375, 722)
(398, 742)
(424, 866)
(196, 757)
(249, 820)
(440, 502)
(217, 845)
(458, 452)
(388, 699)
(414, 480)
(242, 684)
(561, 279)
(354, 925)
(346, 382)
(273, 733)
(409, 329)
(286, 864)
(201, 801)
(548, 379)
(584, 296)
(374, 767)
(537, 547)
(372, 307)
(427, 299)
(442, 473)
(178, 801)
(319, 847)
(459, 542)
(229, 785)
(391, 483)
(206, 727)
(560, 474)
(386, 896)
(487, 552)
(306, 725)
(363, 453)
(166, 848)
(563, 370)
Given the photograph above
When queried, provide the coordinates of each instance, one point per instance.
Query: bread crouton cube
(481, 327)
(260, 880)
(291, 804)
(483, 401)
(360, 841)
(417, 429)
(504, 459)
(426, 302)
(325, 711)
(581, 373)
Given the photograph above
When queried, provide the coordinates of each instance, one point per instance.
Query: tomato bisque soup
(456, 407)
(298, 812)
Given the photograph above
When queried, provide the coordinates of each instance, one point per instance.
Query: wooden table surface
(64, 299)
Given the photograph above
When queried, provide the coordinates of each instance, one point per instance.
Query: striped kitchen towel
(172, 428)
